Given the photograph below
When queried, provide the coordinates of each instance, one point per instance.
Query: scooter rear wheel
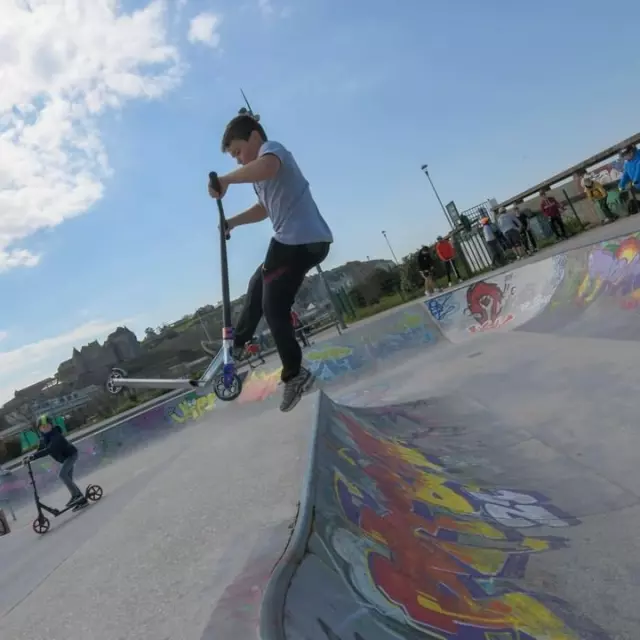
(41, 525)
(94, 492)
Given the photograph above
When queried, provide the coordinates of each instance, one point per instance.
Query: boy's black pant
(272, 291)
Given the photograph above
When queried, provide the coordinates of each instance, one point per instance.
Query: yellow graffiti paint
(412, 457)
(193, 409)
(532, 617)
(345, 455)
(412, 321)
(433, 490)
(589, 288)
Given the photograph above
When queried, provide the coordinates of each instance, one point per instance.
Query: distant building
(93, 361)
(76, 381)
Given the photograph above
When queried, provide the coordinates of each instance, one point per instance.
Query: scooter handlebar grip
(214, 181)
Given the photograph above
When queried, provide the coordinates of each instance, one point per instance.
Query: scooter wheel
(94, 492)
(41, 525)
(112, 385)
(228, 392)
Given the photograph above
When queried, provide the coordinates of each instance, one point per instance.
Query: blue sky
(109, 216)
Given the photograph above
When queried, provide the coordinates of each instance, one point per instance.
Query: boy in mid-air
(54, 444)
(301, 241)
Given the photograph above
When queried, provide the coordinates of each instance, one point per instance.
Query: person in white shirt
(510, 226)
(497, 257)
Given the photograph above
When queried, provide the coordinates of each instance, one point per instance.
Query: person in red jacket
(447, 254)
(552, 210)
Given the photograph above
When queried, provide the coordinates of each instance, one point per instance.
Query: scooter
(42, 524)
(222, 371)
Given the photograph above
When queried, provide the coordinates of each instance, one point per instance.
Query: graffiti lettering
(432, 552)
(192, 408)
(442, 307)
(614, 270)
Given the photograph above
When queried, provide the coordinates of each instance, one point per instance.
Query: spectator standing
(426, 266)
(552, 210)
(596, 192)
(497, 257)
(510, 226)
(446, 253)
(528, 238)
(631, 169)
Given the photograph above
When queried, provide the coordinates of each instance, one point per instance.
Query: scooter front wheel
(41, 525)
(228, 390)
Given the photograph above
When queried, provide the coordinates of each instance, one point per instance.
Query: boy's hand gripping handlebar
(214, 184)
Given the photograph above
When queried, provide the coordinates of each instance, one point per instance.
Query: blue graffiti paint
(442, 307)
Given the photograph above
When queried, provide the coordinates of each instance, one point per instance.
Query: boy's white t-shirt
(289, 203)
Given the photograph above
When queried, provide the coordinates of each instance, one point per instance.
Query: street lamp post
(395, 259)
(425, 168)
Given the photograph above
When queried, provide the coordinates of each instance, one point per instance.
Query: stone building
(93, 361)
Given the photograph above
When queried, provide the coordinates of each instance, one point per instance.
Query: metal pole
(573, 209)
(384, 233)
(425, 168)
(336, 309)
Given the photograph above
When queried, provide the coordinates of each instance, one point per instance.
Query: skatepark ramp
(398, 539)
(437, 518)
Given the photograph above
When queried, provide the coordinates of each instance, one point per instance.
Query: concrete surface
(471, 476)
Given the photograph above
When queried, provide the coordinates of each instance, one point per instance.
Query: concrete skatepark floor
(538, 374)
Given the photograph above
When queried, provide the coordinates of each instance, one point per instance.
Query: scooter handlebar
(214, 183)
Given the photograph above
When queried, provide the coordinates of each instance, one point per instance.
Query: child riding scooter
(54, 444)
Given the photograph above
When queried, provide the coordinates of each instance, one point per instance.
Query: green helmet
(45, 418)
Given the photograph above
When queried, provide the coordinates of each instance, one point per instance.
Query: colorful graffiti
(424, 549)
(443, 307)
(613, 269)
(191, 407)
(485, 303)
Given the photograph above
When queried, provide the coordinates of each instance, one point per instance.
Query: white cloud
(266, 7)
(203, 29)
(62, 64)
(25, 365)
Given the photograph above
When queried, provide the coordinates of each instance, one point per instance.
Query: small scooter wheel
(230, 391)
(112, 385)
(94, 492)
(41, 525)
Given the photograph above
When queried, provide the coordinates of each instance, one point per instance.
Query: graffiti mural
(613, 269)
(443, 307)
(486, 302)
(349, 354)
(426, 550)
(191, 407)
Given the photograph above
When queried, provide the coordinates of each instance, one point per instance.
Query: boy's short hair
(241, 128)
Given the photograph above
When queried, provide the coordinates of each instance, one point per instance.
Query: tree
(411, 277)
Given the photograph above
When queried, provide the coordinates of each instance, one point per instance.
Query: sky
(111, 115)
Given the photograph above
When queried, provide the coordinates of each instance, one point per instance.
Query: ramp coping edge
(272, 607)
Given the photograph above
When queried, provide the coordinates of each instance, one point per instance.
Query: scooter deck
(210, 372)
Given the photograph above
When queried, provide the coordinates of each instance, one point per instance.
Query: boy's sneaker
(295, 388)
(75, 500)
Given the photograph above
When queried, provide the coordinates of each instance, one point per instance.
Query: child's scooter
(221, 372)
(41, 524)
